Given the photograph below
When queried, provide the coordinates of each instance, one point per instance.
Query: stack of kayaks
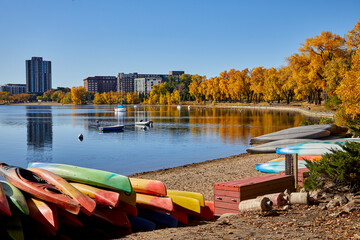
(60, 197)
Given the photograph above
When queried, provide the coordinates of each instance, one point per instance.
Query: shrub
(324, 120)
(342, 168)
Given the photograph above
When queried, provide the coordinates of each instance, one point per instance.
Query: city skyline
(94, 38)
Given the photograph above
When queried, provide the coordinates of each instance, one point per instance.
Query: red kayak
(43, 213)
(33, 184)
(4, 205)
(87, 204)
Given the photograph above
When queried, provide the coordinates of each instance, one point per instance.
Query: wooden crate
(227, 195)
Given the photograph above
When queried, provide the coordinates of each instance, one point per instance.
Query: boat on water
(120, 108)
(112, 128)
(144, 123)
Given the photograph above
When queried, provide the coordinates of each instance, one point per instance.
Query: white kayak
(271, 147)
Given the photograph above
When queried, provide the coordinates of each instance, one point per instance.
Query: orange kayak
(4, 205)
(152, 187)
(101, 197)
(315, 158)
(150, 201)
(33, 184)
(87, 204)
(42, 212)
(128, 209)
(180, 216)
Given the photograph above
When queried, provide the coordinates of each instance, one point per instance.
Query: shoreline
(274, 107)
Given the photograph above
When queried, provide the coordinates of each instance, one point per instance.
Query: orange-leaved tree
(78, 95)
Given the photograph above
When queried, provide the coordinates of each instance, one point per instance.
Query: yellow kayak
(195, 195)
(189, 203)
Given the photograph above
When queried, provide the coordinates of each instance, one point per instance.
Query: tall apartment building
(13, 88)
(38, 75)
(100, 84)
(144, 85)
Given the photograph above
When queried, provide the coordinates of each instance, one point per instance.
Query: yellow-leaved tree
(78, 95)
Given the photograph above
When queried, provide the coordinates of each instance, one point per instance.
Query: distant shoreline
(275, 107)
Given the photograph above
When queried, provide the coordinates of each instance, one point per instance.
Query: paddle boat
(144, 123)
(113, 128)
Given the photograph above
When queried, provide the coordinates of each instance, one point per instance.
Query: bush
(332, 102)
(342, 168)
(324, 120)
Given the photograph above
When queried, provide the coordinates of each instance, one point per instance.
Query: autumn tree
(78, 95)
(195, 87)
(257, 82)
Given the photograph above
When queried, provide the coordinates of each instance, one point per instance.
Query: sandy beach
(296, 222)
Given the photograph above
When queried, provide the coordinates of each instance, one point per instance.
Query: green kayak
(16, 197)
(88, 176)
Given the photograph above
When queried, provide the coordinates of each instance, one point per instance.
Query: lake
(178, 137)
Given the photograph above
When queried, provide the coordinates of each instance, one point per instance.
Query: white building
(144, 85)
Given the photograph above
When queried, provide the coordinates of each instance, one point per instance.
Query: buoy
(278, 199)
(262, 204)
(80, 137)
(299, 198)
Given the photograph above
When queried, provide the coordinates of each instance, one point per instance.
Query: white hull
(120, 109)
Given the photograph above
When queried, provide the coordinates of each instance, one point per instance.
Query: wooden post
(288, 164)
(295, 169)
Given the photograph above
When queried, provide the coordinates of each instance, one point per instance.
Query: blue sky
(103, 37)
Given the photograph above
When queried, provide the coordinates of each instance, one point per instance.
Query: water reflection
(39, 133)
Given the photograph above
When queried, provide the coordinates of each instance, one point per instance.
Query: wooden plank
(233, 185)
(220, 192)
(221, 211)
(234, 200)
(220, 204)
(295, 168)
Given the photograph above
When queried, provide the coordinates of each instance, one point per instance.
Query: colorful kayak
(101, 197)
(42, 212)
(130, 210)
(159, 218)
(139, 224)
(195, 195)
(16, 197)
(150, 201)
(152, 187)
(87, 204)
(129, 198)
(94, 177)
(113, 128)
(114, 216)
(276, 167)
(33, 184)
(314, 158)
(316, 147)
(189, 203)
(4, 205)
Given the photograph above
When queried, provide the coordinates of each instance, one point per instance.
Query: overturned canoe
(87, 204)
(139, 224)
(33, 184)
(16, 197)
(271, 147)
(276, 167)
(305, 132)
(152, 187)
(115, 216)
(159, 218)
(88, 176)
(189, 203)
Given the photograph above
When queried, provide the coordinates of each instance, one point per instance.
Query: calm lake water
(178, 137)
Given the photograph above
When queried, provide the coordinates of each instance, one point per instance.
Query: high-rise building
(38, 75)
(100, 84)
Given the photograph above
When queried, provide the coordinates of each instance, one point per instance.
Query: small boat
(145, 123)
(33, 184)
(43, 212)
(120, 108)
(271, 147)
(115, 216)
(276, 167)
(195, 195)
(159, 218)
(94, 177)
(68, 219)
(4, 205)
(16, 197)
(189, 203)
(87, 204)
(182, 217)
(154, 202)
(139, 224)
(101, 196)
(114, 128)
(152, 187)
